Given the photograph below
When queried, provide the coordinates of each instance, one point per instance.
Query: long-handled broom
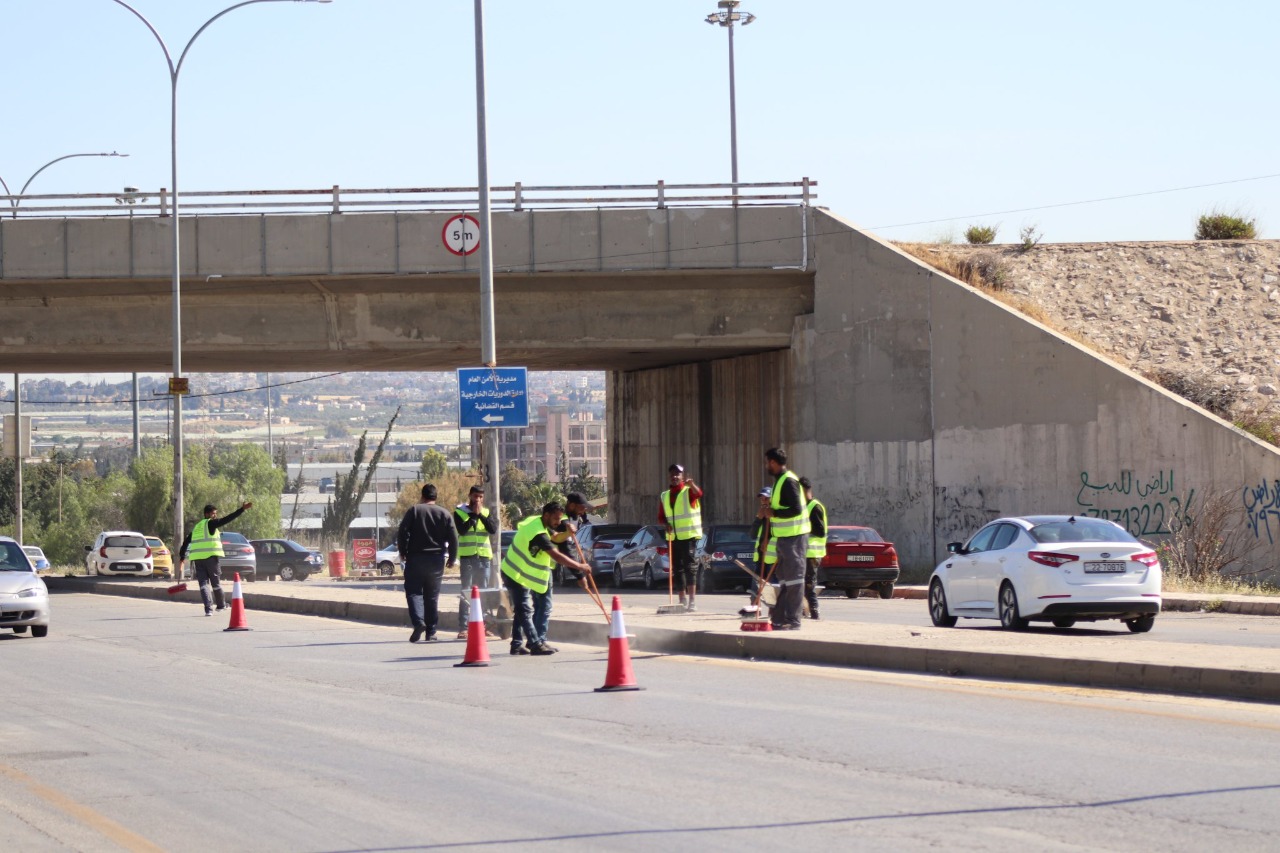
(755, 620)
(592, 589)
(671, 606)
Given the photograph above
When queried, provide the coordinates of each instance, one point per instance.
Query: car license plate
(746, 556)
(860, 558)
(128, 567)
(1110, 567)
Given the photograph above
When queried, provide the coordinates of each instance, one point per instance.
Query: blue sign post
(493, 397)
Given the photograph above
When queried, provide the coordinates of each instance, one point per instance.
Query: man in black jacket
(426, 540)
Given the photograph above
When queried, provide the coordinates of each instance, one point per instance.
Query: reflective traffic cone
(619, 675)
(238, 622)
(477, 650)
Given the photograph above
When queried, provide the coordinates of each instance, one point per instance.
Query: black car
(719, 546)
(286, 559)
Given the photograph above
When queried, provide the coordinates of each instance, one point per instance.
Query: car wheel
(1010, 618)
(1064, 623)
(938, 606)
(885, 588)
(386, 569)
(649, 582)
(852, 593)
(39, 630)
(1142, 624)
(287, 573)
(21, 629)
(617, 576)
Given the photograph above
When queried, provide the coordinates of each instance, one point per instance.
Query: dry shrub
(1207, 393)
(1211, 540)
(983, 270)
(1261, 425)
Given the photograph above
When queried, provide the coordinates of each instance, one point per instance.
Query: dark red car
(858, 558)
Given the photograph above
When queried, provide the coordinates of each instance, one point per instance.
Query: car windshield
(237, 538)
(1081, 530)
(613, 531)
(33, 551)
(125, 542)
(852, 534)
(728, 538)
(154, 542)
(12, 558)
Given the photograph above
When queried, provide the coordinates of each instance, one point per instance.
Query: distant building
(536, 449)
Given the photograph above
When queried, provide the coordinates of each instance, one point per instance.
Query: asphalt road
(1171, 627)
(140, 725)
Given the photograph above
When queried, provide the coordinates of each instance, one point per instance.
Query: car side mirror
(631, 543)
(955, 548)
(88, 548)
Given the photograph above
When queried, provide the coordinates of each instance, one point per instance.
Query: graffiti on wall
(1262, 509)
(1145, 506)
(961, 511)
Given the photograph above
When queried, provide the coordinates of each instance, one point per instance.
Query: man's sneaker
(430, 638)
(542, 649)
(815, 617)
(519, 650)
(462, 635)
(692, 608)
(208, 613)
(220, 608)
(416, 635)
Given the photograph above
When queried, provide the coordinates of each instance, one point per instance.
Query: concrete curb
(1081, 672)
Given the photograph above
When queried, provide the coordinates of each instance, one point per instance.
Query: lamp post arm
(178, 68)
(168, 57)
(23, 191)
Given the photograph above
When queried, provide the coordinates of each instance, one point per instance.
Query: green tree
(349, 490)
(434, 465)
(584, 482)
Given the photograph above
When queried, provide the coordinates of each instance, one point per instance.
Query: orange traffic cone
(477, 650)
(619, 675)
(238, 622)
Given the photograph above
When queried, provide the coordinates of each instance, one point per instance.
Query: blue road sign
(493, 397)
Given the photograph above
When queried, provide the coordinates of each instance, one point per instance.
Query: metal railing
(516, 197)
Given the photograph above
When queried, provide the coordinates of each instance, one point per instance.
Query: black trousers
(209, 575)
(422, 575)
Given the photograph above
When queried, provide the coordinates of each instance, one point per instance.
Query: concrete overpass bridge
(916, 404)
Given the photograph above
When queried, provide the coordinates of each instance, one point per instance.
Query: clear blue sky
(905, 112)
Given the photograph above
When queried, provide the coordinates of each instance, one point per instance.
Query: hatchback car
(119, 552)
(602, 542)
(858, 558)
(720, 549)
(1048, 568)
(38, 560)
(24, 599)
(642, 557)
(237, 556)
(285, 559)
(388, 560)
(161, 558)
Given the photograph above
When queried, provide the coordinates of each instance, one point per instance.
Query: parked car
(388, 560)
(38, 560)
(858, 558)
(602, 542)
(237, 556)
(119, 552)
(642, 557)
(161, 558)
(24, 599)
(719, 547)
(285, 559)
(1048, 568)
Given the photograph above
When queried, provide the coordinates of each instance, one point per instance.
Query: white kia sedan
(1048, 568)
(24, 599)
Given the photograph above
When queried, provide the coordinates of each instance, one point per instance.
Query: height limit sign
(461, 234)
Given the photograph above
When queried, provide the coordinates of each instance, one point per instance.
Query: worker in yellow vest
(475, 554)
(816, 551)
(526, 568)
(789, 527)
(203, 546)
(680, 511)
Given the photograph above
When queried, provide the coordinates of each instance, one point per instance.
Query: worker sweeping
(789, 528)
(680, 511)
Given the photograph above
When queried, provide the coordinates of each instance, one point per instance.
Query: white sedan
(1048, 568)
(388, 560)
(24, 599)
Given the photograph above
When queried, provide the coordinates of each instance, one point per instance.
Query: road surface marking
(100, 823)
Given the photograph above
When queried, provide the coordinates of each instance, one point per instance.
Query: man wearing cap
(526, 568)
(680, 511)
(816, 550)
(203, 546)
(427, 539)
(789, 529)
(766, 552)
(474, 552)
(562, 536)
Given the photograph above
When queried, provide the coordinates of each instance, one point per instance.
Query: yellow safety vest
(519, 562)
(684, 517)
(784, 528)
(204, 542)
(476, 542)
(771, 551)
(817, 546)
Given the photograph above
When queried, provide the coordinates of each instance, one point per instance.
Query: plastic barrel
(337, 564)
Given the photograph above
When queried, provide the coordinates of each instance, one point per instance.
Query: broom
(671, 606)
(592, 590)
(758, 622)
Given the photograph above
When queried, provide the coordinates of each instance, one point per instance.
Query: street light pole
(488, 335)
(727, 17)
(174, 70)
(15, 200)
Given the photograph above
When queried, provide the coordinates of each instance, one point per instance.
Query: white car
(1048, 568)
(24, 599)
(388, 560)
(119, 552)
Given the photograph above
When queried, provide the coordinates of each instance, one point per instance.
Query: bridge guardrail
(336, 199)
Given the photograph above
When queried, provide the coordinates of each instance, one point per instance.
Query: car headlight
(32, 592)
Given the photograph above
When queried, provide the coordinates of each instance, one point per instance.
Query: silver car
(237, 556)
(24, 599)
(643, 557)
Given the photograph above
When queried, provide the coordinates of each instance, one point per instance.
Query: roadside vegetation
(1217, 225)
(980, 235)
